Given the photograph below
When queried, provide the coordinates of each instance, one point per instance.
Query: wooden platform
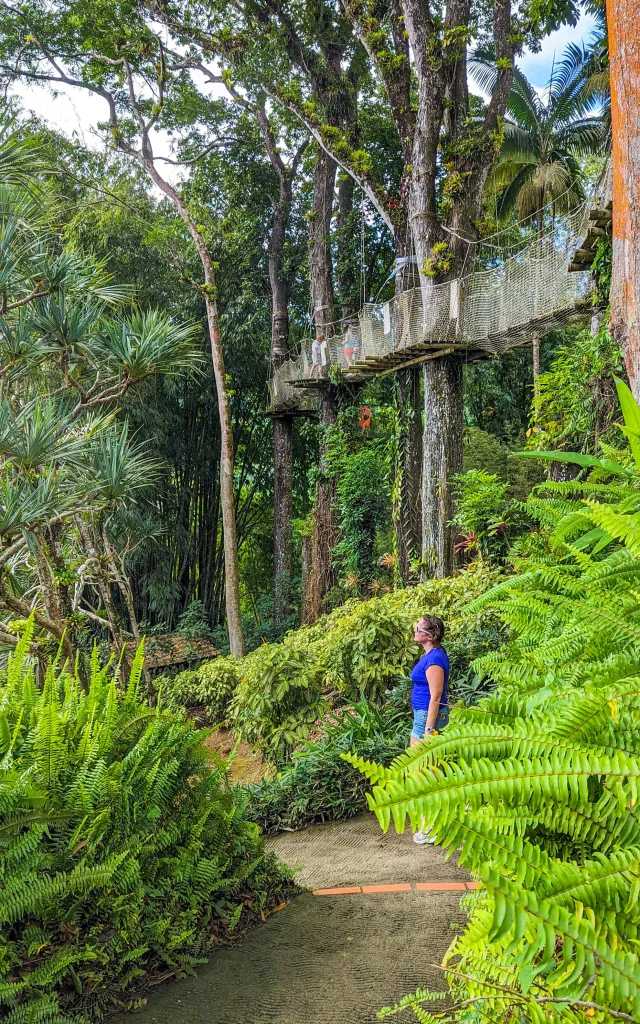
(599, 227)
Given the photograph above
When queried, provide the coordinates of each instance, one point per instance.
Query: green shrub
(123, 854)
(281, 689)
(318, 785)
(279, 697)
(536, 788)
(487, 453)
(369, 649)
(485, 515)
(211, 685)
(576, 403)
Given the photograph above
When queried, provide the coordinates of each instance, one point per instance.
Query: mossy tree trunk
(282, 424)
(325, 529)
(442, 458)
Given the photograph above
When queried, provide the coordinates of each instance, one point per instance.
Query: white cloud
(536, 66)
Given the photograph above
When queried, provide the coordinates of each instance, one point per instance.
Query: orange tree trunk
(623, 20)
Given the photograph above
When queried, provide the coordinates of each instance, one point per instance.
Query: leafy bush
(363, 647)
(318, 785)
(193, 624)
(361, 471)
(536, 787)
(123, 854)
(211, 685)
(576, 402)
(486, 452)
(485, 516)
(279, 698)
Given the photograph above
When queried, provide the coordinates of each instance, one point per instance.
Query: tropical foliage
(576, 406)
(362, 649)
(72, 473)
(317, 784)
(125, 855)
(544, 139)
(536, 786)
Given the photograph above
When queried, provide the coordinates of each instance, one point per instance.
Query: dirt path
(331, 958)
(247, 766)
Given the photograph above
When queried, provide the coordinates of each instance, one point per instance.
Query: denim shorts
(420, 721)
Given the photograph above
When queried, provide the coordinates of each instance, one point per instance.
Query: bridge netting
(509, 295)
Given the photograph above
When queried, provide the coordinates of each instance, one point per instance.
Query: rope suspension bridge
(511, 295)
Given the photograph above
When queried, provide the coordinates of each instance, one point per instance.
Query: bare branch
(187, 161)
(35, 294)
(12, 550)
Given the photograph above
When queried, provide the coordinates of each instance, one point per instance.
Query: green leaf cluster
(361, 648)
(212, 685)
(124, 854)
(536, 787)
(317, 784)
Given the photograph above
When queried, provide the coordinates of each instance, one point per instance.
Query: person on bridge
(316, 357)
(351, 346)
(430, 678)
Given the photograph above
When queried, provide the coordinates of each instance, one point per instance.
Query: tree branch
(314, 128)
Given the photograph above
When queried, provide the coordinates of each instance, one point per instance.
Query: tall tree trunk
(535, 347)
(282, 424)
(231, 573)
(325, 530)
(623, 25)
(282, 515)
(310, 600)
(347, 262)
(319, 252)
(442, 458)
(407, 509)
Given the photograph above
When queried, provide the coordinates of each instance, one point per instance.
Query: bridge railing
(489, 310)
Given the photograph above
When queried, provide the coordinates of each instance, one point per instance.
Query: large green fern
(123, 854)
(536, 789)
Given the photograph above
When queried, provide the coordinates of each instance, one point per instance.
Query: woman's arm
(435, 679)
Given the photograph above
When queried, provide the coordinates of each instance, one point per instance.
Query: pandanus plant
(71, 348)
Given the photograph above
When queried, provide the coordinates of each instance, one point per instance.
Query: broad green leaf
(578, 459)
(631, 414)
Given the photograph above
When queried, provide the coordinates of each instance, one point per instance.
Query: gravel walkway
(331, 959)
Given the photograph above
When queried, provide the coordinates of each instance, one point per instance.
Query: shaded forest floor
(247, 766)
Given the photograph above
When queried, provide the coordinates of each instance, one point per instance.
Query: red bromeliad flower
(467, 542)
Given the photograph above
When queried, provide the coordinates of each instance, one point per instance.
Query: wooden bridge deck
(413, 355)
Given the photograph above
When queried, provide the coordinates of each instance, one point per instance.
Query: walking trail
(380, 913)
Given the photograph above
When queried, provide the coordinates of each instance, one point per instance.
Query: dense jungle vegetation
(258, 173)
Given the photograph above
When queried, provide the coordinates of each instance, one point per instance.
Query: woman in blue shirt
(430, 678)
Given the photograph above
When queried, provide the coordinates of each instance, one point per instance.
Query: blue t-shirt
(421, 694)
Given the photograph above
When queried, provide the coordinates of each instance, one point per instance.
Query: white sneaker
(421, 838)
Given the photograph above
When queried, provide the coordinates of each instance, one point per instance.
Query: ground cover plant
(536, 786)
(318, 784)
(124, 855)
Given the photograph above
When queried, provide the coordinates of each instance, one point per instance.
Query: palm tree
(538, 164)
(69, 353)
(594, 62)
(544, 138)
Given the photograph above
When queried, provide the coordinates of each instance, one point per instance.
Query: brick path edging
(349, 890)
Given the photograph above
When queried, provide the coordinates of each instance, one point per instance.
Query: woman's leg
(419, 725)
